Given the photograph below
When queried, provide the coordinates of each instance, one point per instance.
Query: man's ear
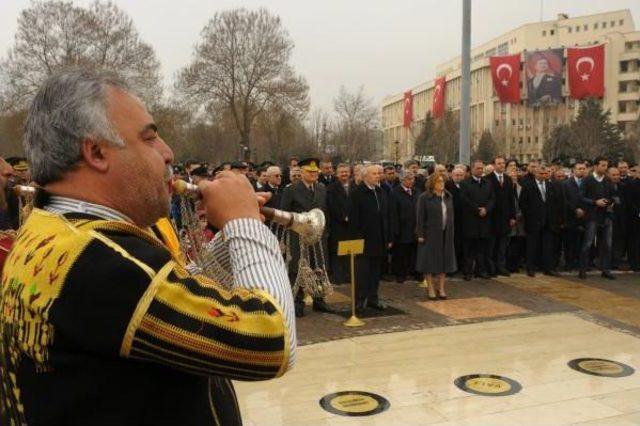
(93, 154)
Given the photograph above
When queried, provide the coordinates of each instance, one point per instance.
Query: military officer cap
(239, 165)
(19, 164)
(201, 171)
(309, 164)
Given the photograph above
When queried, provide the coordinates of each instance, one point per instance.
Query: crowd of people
(481, 220)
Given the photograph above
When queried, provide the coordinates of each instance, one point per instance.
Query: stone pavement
(614, 304)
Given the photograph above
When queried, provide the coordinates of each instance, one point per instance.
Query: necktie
(376, 195)
(543, 192)
(500, 179)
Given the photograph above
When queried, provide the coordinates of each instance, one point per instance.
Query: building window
(520, 121)
(622, 107)
(520, 140)
(570, 29)
(544, 33)
(513, 121)
(497, 123)
(552, 32)
(595, 26)
(621, 22)
(604, 25)
(613, 23)
(528, 139)
(577, 28)
(624, 66)
(586, 27)
(622, 87)
(536, 140)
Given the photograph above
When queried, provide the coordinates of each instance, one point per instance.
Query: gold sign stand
(352, 248)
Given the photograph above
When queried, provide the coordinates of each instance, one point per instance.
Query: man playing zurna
(100, 324)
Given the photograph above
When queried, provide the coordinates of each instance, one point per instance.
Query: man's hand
(389, 245)
(512, 223)
(579, 213)
(229, 197)
(421, 240)
(602, 202)
(482, 211)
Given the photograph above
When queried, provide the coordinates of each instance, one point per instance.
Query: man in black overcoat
(454, 186)
(541, 205)
(302, 196)
(402, 206)
(478, 201)
(632, 195)
(338, 209)
(369, 220)
(573, 215)
(503, 216)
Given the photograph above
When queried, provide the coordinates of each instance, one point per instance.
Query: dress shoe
(582, 275)
(378, 306)
(504, 273)
(321, 306)
(467, 277)
(299, 311)
(608, 275)
(531, 274)
(484, 276)
(552, 273)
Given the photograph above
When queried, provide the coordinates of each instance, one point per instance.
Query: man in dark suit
(369, 220)
(274, 180)
(453, 185)
(414, 166)
(619, 229)
(632, 195)
(598, 205)
(402, 205)
(541, 205)
(503, 216)
(327, 176)
(338, 208)
(530, 176)
(573, 214)
(302, 196)
(477, 199)
(390, 179)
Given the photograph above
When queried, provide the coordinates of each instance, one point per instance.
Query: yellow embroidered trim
(143, 306)
(286, 353)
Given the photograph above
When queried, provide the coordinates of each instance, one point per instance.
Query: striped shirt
(246, 250)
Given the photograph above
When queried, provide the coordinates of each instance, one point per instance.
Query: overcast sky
(385, 45)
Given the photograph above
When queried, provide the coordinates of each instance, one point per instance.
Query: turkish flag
(437, 107)
(505, 73)
(586, 71)
(408, 109)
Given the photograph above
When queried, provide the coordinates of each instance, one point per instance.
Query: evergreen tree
(428, 127)
(558, 144)
(486, 149)
(593, 134)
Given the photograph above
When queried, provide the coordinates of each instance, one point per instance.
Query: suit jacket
(539, 214)
(338, 209)
(473, 196)
(632, 196)
(619, 208)
(402, 212)
(276, 196)
(504, 204)
(369, 219)
(572, 200)
(326, 180)
(457, 206)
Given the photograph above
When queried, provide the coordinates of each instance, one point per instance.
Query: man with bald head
(369, 220)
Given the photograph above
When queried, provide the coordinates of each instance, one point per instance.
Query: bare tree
(356, 126)
(319, 129)
(56, 34)
(241, 64)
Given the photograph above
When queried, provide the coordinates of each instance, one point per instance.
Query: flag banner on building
(505, 73)
(544, 77)
(439, 88)
(408, 109)
(586, 71)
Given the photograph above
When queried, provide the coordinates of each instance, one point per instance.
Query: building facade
(521, 130)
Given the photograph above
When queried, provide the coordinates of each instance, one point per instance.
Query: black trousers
(368, 275)
(572, 244)
(540, 246)
(498, 253)
(515, 253)
(475, 250)
(403, 259)
(340, 273)
(634, 244)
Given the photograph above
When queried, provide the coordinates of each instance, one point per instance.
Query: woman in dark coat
(435, 228)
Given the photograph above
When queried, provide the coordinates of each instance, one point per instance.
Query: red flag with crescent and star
(439, 87)
(408, 109)
(505, 73)
(585, 67)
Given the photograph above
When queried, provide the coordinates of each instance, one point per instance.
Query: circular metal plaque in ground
(601, 367)
(488, 385)
(354, 403)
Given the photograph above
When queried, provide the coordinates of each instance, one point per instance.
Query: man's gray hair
(406, 174)
(69, 107)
